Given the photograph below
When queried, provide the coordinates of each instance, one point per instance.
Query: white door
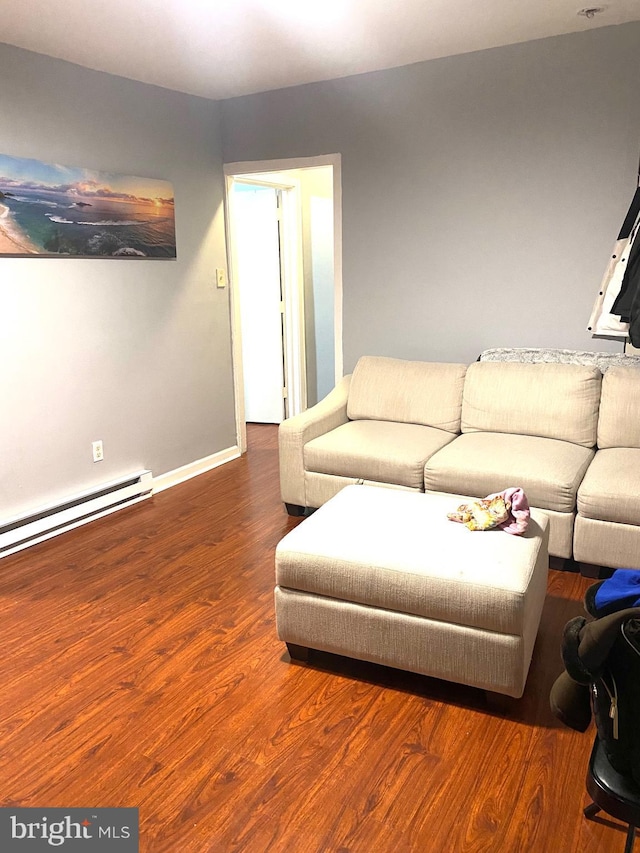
(257, 245)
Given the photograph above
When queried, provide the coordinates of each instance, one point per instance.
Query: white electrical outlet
(98, 451)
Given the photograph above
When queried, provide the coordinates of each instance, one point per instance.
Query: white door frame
(292, 268)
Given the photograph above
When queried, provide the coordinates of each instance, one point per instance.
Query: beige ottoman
(383, 576)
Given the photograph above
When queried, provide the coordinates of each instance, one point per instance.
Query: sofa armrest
(295, 432)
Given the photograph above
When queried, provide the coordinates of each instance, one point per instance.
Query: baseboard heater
(29, 529)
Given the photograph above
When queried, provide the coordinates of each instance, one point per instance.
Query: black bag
(602, 680)
(615, 701)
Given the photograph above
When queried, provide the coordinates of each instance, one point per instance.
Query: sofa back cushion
(410, 392)
(548, 400)
(619, 421)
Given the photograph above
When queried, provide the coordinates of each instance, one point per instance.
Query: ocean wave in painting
(59, 219)
(101, 222)
(123, 222)
(36, 201)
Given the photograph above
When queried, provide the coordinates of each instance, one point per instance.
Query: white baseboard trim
(200, 466)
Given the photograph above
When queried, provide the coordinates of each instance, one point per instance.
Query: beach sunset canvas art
(53, 210)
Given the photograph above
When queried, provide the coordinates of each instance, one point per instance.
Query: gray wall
(136, 353)
(316, 185)
(481, 193)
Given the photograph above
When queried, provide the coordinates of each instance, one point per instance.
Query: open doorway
(285, 264)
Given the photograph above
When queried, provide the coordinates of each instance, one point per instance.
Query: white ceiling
(223, 48)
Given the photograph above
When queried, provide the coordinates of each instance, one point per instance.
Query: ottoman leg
(498, 702)
(300, 653)
(295, 510)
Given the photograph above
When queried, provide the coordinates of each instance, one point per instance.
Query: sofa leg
(562, 564)
(300, 653)
(587, 570)
(295, 510)
(498, 703)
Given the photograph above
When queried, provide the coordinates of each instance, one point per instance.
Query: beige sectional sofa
(607, 529)
(568, 434)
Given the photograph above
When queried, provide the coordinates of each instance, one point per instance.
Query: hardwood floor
(141, 668)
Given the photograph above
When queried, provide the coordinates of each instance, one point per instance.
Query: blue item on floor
(619, 591)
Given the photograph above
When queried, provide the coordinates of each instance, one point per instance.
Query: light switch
(221, 279)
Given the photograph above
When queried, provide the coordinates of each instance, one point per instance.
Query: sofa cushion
(410, 392)
(619, 421)
(557, 401)
(376, 450)
(610, 490)
(480, 463)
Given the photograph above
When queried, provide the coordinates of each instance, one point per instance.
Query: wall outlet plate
(98, 451)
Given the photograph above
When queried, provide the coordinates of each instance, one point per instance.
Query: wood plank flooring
(140, 667)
